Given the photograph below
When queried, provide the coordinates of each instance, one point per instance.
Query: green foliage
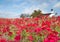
(25, 15)
(38, 38)
(12, 36)
(24, 33)
(57, 28)
(36, 13)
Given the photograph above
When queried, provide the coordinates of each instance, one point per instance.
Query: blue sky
(14, 8)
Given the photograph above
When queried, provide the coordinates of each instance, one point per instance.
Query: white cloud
(8, 14)
(52, 1)
(33, 7)
(44, 5)
(57, 5)
(27, 10)
(30, 9)
(13, 0)
(44, 11)
(19, 6)
(33, 1)
(1, 6)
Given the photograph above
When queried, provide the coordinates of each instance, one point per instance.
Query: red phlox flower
(46, 40)
(3, 40)
(34, 25)
(18, 37)
(37, 30)
(10, 33)
(4, 30)
(48, 29)
(30, 38)
(36, 19)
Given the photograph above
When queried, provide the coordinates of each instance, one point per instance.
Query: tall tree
(36, 13)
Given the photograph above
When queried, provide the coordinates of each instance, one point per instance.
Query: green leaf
(57, 29)
(37, 38)
(12, 36)
(58, 40)
(24, 33)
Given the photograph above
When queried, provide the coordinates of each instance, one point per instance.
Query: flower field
(43, 29)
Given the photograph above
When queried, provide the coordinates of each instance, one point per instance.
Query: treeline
(34, 14)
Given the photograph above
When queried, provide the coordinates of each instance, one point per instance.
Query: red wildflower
(30, 38)
(10, 33)
(46, 40)
(36, 19)
(37, 30)
(18, 37)
(46, 23)
(48, 29)
(18, 32)
(3, 40)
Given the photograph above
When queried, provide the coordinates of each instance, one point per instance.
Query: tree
(22, 15)
(36, 13)
(25, 15)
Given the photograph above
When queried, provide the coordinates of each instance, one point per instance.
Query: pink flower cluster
(30, 29)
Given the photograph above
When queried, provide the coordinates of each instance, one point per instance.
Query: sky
(14, 8)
